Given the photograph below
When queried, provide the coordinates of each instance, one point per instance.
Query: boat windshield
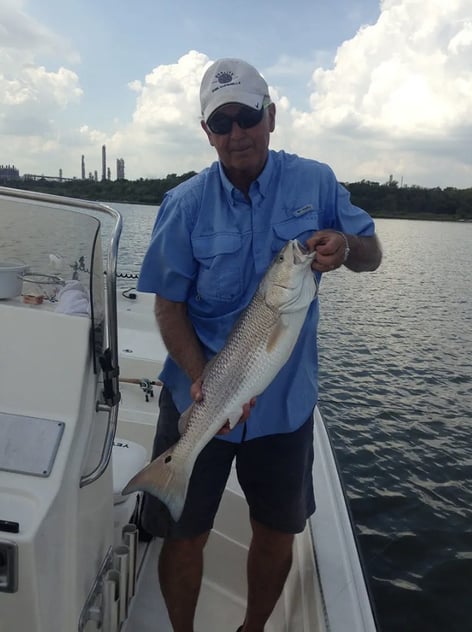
(59, 257)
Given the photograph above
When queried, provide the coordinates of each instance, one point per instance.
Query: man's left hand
(330, 249)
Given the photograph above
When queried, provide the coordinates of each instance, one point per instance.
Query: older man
(214, 238)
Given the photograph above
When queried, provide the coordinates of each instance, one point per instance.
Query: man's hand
(331, 250)
(196, 393)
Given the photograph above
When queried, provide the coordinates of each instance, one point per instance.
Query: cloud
(403, 86)
(396, 99)
(31, 95)
(164, 135)
(23, 38)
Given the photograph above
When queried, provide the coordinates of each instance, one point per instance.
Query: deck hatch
(28, 445)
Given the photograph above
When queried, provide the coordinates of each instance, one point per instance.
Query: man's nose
(236, 130)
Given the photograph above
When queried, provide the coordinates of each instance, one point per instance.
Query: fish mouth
(300, 252)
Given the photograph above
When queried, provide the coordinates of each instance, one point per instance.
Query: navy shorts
(275, 474)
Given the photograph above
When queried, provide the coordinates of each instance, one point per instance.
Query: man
(214, 238)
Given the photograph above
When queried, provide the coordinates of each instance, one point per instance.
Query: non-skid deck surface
(217, 610)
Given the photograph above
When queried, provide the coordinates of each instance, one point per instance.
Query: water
(396, 394)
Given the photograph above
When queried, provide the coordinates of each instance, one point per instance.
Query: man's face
(243, 150)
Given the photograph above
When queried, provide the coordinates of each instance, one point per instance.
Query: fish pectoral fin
(184, 419)
(276, 333)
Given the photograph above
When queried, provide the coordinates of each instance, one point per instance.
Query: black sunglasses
(220, 123)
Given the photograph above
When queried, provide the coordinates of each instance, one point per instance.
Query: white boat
(70, 556)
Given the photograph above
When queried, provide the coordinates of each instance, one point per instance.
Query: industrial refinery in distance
(10, 172)
(106, 173)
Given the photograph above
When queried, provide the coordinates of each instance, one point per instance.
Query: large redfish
(257, 348)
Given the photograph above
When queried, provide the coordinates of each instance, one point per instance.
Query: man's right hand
(196, 393)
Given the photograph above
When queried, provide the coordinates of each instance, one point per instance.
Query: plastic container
(11, 280)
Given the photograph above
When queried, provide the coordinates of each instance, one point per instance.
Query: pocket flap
(213, 245)
(296, 226)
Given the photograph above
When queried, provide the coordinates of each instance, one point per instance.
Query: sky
(374, 88)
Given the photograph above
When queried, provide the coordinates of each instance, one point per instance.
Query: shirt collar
(262, 181)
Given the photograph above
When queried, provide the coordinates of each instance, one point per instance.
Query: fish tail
(163, 479)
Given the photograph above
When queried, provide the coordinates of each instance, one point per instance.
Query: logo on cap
(225, 76)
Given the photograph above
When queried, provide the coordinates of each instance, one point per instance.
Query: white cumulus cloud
(164, 135)
(402, 86)
(31, 95)
(396, 99)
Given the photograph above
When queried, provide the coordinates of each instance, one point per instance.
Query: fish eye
(281, 258)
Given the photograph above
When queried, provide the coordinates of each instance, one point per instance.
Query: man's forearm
(179, 336)
(365, 253)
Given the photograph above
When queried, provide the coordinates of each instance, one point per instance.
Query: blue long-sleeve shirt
(210, 247)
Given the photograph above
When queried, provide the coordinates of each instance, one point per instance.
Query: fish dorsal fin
(275, 335)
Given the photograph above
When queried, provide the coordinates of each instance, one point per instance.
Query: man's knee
(185, 547)
(270, 539)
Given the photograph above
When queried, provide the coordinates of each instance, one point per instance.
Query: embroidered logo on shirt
(303, 210)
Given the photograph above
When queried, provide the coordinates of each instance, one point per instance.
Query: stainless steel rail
(111, 327)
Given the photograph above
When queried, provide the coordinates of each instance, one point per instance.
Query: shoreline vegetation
(387, 200)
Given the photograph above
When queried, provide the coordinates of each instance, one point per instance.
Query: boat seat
(128, 458)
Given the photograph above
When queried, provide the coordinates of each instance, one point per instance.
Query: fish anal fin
(184, 419)
(234, 416)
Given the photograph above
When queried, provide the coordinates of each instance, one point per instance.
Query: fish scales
(231, 380)
(257, 348)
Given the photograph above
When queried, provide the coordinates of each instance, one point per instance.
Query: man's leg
(181, 559)
(275, 473)
(180, 575)
(268, 564)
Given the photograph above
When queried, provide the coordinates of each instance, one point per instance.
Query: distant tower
(83, 167)
(95, 175)
(104, 162)
(60, 175)
(108, 173)
(120, 169)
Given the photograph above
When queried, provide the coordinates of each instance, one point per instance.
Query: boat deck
(222, 600)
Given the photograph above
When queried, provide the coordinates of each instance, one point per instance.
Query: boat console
(67, 557)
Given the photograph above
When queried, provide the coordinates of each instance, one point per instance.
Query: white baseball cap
(231, 81)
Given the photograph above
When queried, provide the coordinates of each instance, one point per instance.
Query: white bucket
(11, 280)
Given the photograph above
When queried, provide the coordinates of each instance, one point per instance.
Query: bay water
(396, 396)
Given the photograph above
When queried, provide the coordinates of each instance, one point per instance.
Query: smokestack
(83, 167)
(120, 169)
(104, 162)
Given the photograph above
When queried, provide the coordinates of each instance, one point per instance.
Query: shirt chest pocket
(219, 275)
(300, 228)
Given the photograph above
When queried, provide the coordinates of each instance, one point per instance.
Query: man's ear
(207, 132)
(272, 117)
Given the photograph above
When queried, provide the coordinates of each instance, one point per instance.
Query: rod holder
(121, 564)
(130, 539)
(111, 601)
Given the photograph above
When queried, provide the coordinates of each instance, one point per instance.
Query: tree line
(380, 200)
(391, 200)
